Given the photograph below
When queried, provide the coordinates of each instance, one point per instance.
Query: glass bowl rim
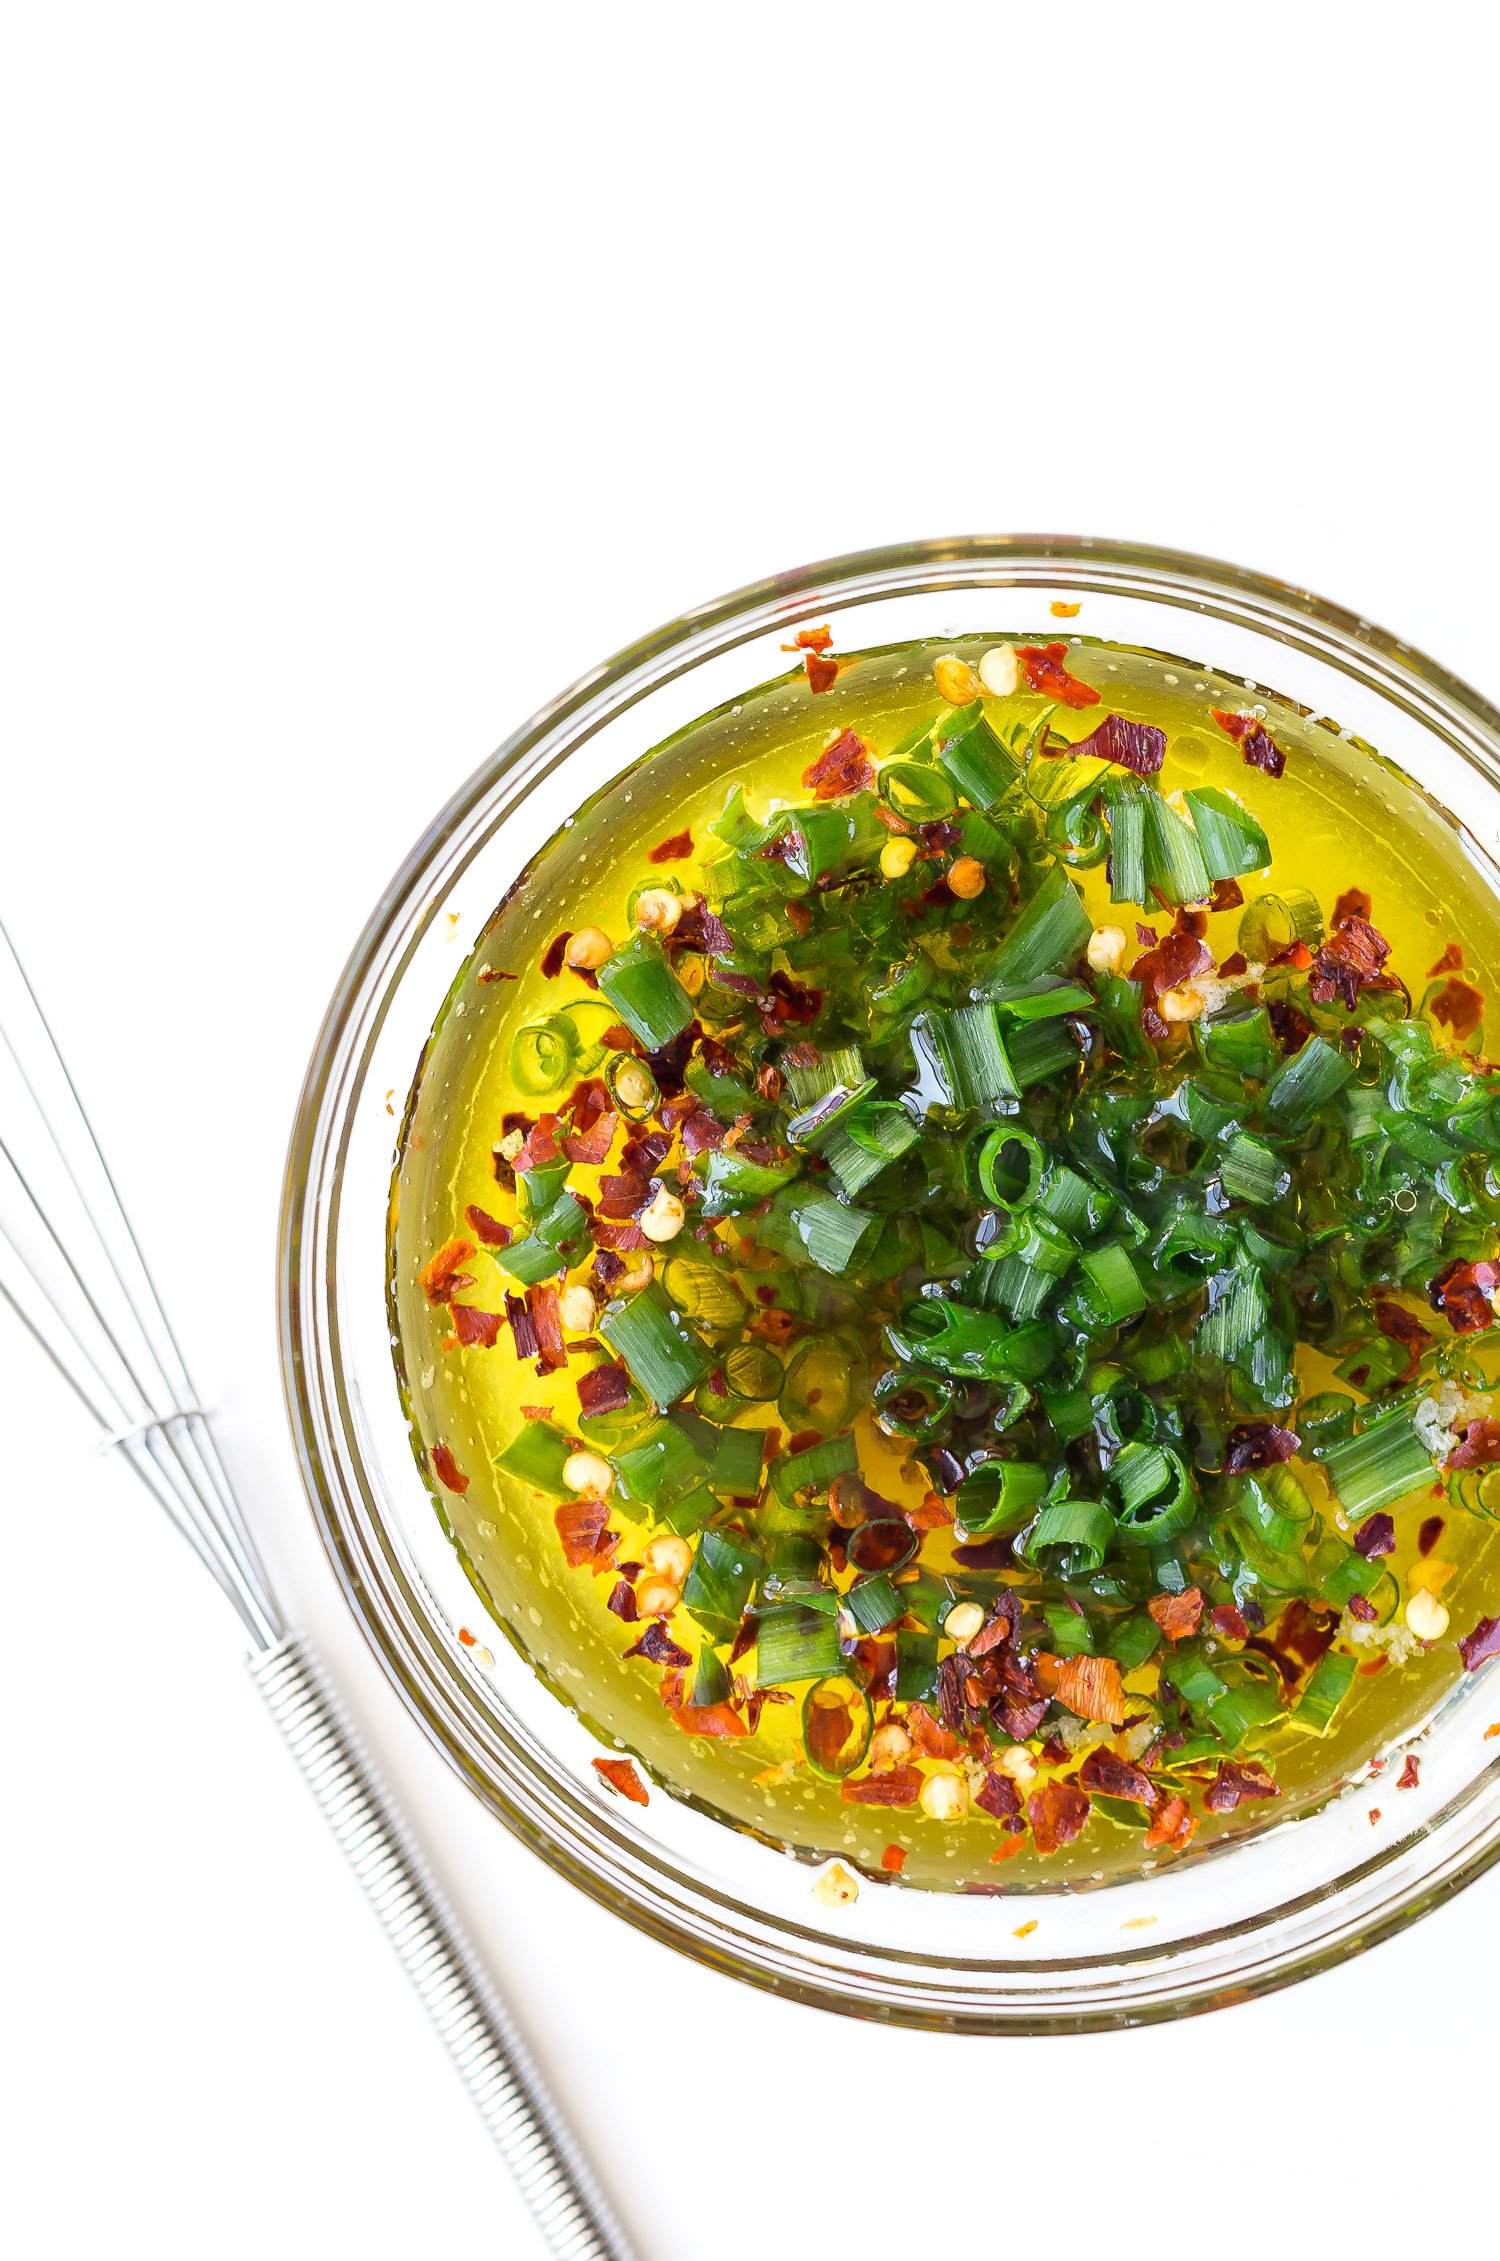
(1430, 693)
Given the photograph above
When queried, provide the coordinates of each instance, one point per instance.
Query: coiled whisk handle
(492, 2060)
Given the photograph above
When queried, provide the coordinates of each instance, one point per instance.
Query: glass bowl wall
(1247, 1917)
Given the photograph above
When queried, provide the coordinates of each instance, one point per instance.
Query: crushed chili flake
(1363, 1608)
(1229, 1622)
(1106, 1775)
(1258, 1444)
(1375, 1537)
(441, 1277)
(621, 1776)
(546, 1323)
(810, 640)
(1233, 1785)
(1171, 1824)
(622, 1601)
(1169, 963)
(1459, 1006)
(1235, 963)
(1410, 1775)
(1353, 958)
(822, 672)
(554, 954)
(1429, 1534)
(1226, 895)
(1451, 961)
(1478, 1647)
(893, 1859)
(1090, 1686)
(580, 1526)
(1403, 1326)
(657, 1644)
(1045, 670)
(488, 1229)
(1462, 1292)
(1057, 1813)
(1176, 1615)
(1136, 746)
(897, 1786)
(1354, 903)
(675, 849)
(447, 1471)
(1254, 740)
(721, 1722)
(843, 767)
(998, 1796)
(476, 1330)
(1479, 1446)
(603, 1389)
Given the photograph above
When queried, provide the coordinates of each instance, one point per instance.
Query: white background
(367, 373)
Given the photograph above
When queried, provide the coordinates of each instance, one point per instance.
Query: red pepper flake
(898, 1786)
(1057, 1813)
(1171, 1824)
(1462, 1293)
(1354, 903)
(810, 640)
(1061, 611)
(931, 1514)
(446, 1469)
(494, 973)
(591, 1147)
(1451, 961)
(1258, 1444)
(1235, 963)
(1368, 1671)
(1410, 1774)
(1046, 672)
(1459, 1006)
(1147, 936)
(1172, 961)
(1363, 1608)
(580, 1526)
(1226, 895)
(802, 1440)
(1229, 1622)
(1135, 746)
(930, 1739)
(1236, 1785)
(1479, 1447)
(657, 1644)
(1492, 1731)
(998, 1796)
(675, 849)
(465, 1637)
(621, 1776)
(1353, 958)
(554, 954)
(1374, 1815)
(1176, 1615)
(893, 1859)
(622, 1602)
(822, 672)
(1254, 740)
(1106, 1775)
(843, 767)
(1478, 1647)
(1404, 1327)
(546, 1321)
(1090, 1686)
(1430, 1533)
(719, 1721)
(603, 1389)
(539, 1149)
(489, 1229)
(1375, 1537)
(440, 1278)
(476, 1330)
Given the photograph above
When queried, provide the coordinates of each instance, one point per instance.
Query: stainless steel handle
(493, 2061)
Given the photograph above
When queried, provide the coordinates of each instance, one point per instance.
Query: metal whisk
(72, 1271)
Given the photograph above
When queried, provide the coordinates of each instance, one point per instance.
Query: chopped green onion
(1050, 933)
(541, 1055)
(998, 1495)
(1272, 923)
(1328, 1684)
(1070, 1537)
(1301, 1084)
(874, 1603)
(1174, 861)
(1155, 1493)
(665, 1358)
(537, 1454)
(724, 1574)
(645, 992)
(1381, 1465)
(968, 1049)
(660, 1465)
(1114, 1289)
(1229, 838)
(796, 1641)
(1252, 1171)
(974, 759)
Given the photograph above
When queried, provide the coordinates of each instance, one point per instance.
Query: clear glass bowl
(1236, 1920)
